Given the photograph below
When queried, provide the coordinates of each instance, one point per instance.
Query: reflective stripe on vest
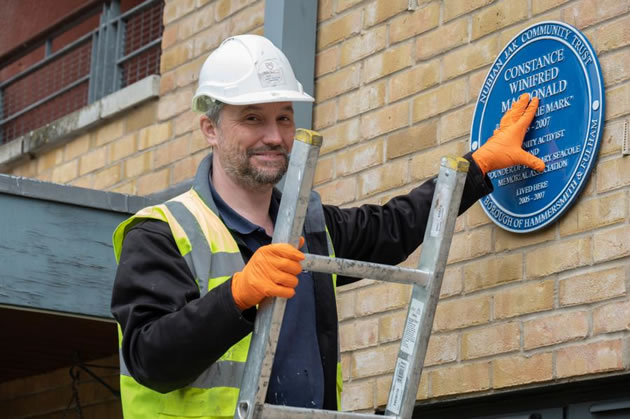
(212, 256)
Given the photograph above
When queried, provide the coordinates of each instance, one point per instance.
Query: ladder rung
(360, 269)
(270, 411)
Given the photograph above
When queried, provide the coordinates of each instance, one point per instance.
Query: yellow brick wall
(395, 91)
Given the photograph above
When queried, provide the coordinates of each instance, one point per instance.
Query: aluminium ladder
(426, 280)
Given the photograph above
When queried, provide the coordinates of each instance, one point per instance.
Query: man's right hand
(271, 272)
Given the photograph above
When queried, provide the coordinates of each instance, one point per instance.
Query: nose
(273, 134)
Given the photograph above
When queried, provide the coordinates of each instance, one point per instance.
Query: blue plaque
(554, 62)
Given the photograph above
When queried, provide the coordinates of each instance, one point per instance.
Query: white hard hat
(245, 70)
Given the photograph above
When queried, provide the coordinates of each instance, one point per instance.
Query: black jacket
(171, 335)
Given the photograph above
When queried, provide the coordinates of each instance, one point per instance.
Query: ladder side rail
(269, 411)
(288, 229)
(360, 269)
(423, 303)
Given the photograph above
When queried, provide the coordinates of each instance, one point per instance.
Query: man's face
(252, 142)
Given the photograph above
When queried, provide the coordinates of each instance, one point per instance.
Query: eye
(252, 118)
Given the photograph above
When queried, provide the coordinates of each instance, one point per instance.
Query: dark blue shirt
(297, 376)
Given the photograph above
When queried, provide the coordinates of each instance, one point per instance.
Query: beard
(239, 167)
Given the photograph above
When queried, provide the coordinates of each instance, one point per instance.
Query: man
(191, 271)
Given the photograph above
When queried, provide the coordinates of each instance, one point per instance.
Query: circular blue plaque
(554, 62)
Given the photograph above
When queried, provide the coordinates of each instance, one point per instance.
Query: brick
(325, 170)
(138, 165)
(358, 334)
(613, 35)
(176, 56)
(356, 159)
(617, 101)
(582, 14)
(26, 169)
(76, 147)
(491, 340)
(374, 361)
(456, 124)
(93, 160)
(247, 20)
(362, 100)
(529, 297)
(589, 358)
(385, 63)
(445, 97)
(346, 302)
(225, 8)
(613, 174)
(453, 9)
(461, 312)
(593, 213)
(411, 24)
(167, 83)
(154, 135)
(334, 31)
(498, 16)
(195, 23)
(611, 244)
(592, 286)
(415, 80)
(470, 244)
(345, 4)
(209, 39)
(540, 6)
(383, 385)
(615, 68)
(358, 395)
(379, 11)
(441, 349)
(452, 283)
(141, 116)
(337, 83)
(490, 272)
(104, 179)
(109, 132)
(519, 370)
(554, 329)
(186, 168)
(427, 163)
(188, 73)
(381, 297)
(460, 379)
(175, 103)
(465, 60)
(339, 192)
(475, 81)
(382, 178)
(384, 120)
(444, 38)
(83, 182)
(505, 240)
(412, 139)
(122, 148)
(366, 43)
(612, 317)
(171, 151)
(185, 123)
(326, 61)
(612, 137)
(153, 182)
(324, 10)
(390, 325)
(324, 115)
(340, 135)
(197, 141)
(66, 172)
(558, 257)
(169, 35)
(176, 9)
(475, 216)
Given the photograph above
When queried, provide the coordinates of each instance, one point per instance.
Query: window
(92, 51)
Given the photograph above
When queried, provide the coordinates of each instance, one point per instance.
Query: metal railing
(122, 49)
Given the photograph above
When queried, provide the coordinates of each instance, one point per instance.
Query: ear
(209, 130)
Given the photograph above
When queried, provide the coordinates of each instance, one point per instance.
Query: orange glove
(504, 148)
(271, 272)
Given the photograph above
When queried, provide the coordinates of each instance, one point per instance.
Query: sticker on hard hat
(270, 73)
